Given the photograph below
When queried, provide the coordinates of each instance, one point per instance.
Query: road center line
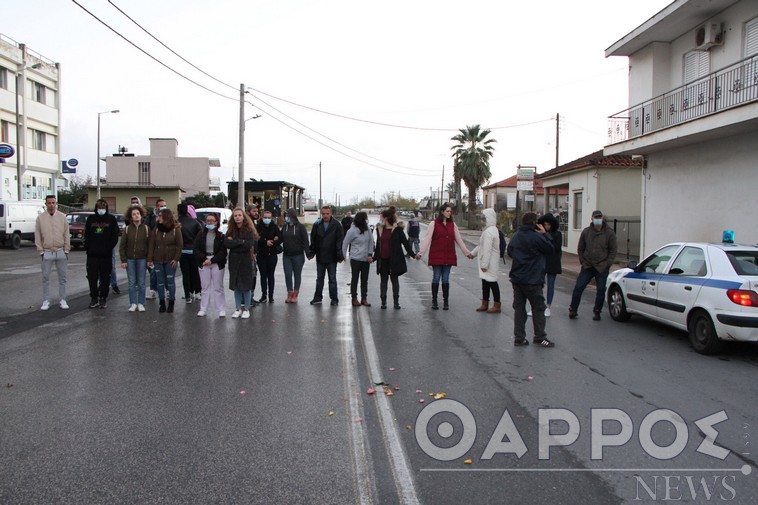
(395, 452)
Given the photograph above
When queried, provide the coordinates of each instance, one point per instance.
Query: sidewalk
(569, 262)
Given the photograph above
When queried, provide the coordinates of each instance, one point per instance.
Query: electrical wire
(151, 56)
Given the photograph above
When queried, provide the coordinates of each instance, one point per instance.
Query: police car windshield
(744, 262)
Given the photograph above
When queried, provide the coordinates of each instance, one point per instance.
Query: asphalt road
(106, 406)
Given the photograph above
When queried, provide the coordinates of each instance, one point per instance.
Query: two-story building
(29, 121)
(693, 120)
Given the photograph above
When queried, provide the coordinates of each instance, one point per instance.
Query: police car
(708, 290)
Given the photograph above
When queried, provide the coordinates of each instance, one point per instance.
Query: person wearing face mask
(295, 243)
(151, 220)
(164, 253)
(597, 252)
(100, 238)
(269, 246)
(210, 258)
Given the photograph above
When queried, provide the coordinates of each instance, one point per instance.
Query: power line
(172, 51)
(151, 56)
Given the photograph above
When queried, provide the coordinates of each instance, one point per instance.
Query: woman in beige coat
(488, 252)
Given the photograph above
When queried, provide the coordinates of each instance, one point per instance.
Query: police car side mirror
(632, 264)
(676, 271)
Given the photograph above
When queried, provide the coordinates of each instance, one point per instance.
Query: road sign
(66, 169)
(6, 151)
(524, 185)
(523, 174)
(73, 162)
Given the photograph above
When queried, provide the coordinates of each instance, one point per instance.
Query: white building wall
(696, 192)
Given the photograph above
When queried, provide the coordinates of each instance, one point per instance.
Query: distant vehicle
(709, 290)
(311, 213)
(225, 216)
(17, 221)
(76, 221)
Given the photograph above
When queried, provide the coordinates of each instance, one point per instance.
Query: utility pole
(320, 199)
(557, 136)
(442, 182)
(241, 182)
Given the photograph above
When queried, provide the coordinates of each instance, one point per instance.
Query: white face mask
(597, 222)
(101, 212)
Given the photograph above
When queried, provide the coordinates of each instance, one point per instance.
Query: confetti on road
(358, 419)
(392, 369)
(243, 392)
(408, 427)
(397, 388)
(440, 396)
(468, 462)
(419, 391)
(370, 391)
(530, 378)
(331, 413)
(421, 400)
(289, 352)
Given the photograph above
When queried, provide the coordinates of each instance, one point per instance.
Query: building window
(4, 131)
(3, 78)
(39, 140)
(578, 210)
(38, 92)
(697, 64)
(751, 38)
(144, 172)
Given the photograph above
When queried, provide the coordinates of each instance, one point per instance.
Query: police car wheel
(703, 334)
(617, 305)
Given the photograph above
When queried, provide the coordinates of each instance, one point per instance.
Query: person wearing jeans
(597, 252)
(360, 241)
(552, 261)
(295, 243)
(190, 275)
(326, 247)
(133, 252)
(239, 241)
(164, 253)
(51, 236)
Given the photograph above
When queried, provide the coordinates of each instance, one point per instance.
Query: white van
(17, 221)
(226, 216)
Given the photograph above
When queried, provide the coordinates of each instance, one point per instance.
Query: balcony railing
(727, 88)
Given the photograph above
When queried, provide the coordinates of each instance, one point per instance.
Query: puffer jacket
(398, 241)
(134, 242)
(488, 250)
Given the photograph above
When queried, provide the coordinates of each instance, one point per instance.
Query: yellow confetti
(408, 427)
(387, 392)
(439, 396)
(331, 412)
(468, 462)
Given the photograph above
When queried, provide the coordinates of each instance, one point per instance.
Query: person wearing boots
(295, 243)
(163, 253)
(190, 273)
(597, 252)
(528, 249)
(390, 241)
(440, 239)
(100, 239)
(360, 242)
(269, 246)
(239, 241)
(488, 252)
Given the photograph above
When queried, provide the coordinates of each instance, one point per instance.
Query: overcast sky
(434, 65)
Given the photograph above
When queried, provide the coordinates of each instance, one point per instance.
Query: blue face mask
(286, 219)
(163, 208)
(597, 222)
(266, 220)
(101, 212)
(211, 227)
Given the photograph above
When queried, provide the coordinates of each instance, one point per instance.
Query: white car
(709, 290)
(225, 216)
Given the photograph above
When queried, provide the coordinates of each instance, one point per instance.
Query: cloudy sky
(421, 68)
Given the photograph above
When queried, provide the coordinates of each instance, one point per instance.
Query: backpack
(503, 244)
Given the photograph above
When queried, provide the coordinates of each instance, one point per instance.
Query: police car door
(641, 285)
(680, 285)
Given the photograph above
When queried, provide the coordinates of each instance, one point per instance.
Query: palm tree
(471, 154)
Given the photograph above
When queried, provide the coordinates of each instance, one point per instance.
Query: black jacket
(268, 232)
(219, 251)
(295, 239)
(528, 250)
(100, 235)
(326, 246)
(190, 228)
(553, 261)
(398, 240)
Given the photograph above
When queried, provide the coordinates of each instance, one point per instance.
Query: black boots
(162, 307)
(170, 306)
(384, 302)
(445, 296)
(435, 291)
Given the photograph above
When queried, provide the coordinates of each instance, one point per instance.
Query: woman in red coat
(440, 239)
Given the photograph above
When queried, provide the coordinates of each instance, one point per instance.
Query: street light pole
(98, 146)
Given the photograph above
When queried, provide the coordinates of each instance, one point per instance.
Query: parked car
(709, 290)
(225, 214)
(76, 221)
(121, 223)
(17, 221)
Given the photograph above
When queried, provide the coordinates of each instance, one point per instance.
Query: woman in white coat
(488, 254)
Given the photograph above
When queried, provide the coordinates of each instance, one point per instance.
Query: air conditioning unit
(707, 36)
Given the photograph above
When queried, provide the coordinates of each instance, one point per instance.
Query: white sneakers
(245, 314)
(201, 313)
(64, 305)
(140, 307)
(547, 312)
(45, 305)
(237, 313)
(132, 307)
(151, 295)
(222, 314)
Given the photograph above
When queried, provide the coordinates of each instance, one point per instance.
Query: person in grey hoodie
(360, 241)
(295, 243)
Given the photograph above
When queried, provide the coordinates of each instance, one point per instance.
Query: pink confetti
(530, 378)
(397, 388)
(421, 400)
(419, 391)
(358, 419)
(273, 320)
(289, 352)
(243, 392)
(371, 391)
(392, 369)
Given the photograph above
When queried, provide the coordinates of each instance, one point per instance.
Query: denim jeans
(267, 267)
(293, 267)
(585, 276)
(135, 272)
(242, 298)
(166, 279)
(550, 287)
(415, 243)
(532, 293)
(321, 270)
(441, 272)
(114, 278)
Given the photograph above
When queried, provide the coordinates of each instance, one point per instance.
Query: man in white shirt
(51, 236)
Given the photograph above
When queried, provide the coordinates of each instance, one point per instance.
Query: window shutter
(697, 64)
(751, 38)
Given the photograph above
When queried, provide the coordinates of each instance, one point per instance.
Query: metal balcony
(727, 88)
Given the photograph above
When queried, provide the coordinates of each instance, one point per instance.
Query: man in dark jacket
(597, 252)
(190, 274)
(326, 246)
(528, 249)
(100, 237)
